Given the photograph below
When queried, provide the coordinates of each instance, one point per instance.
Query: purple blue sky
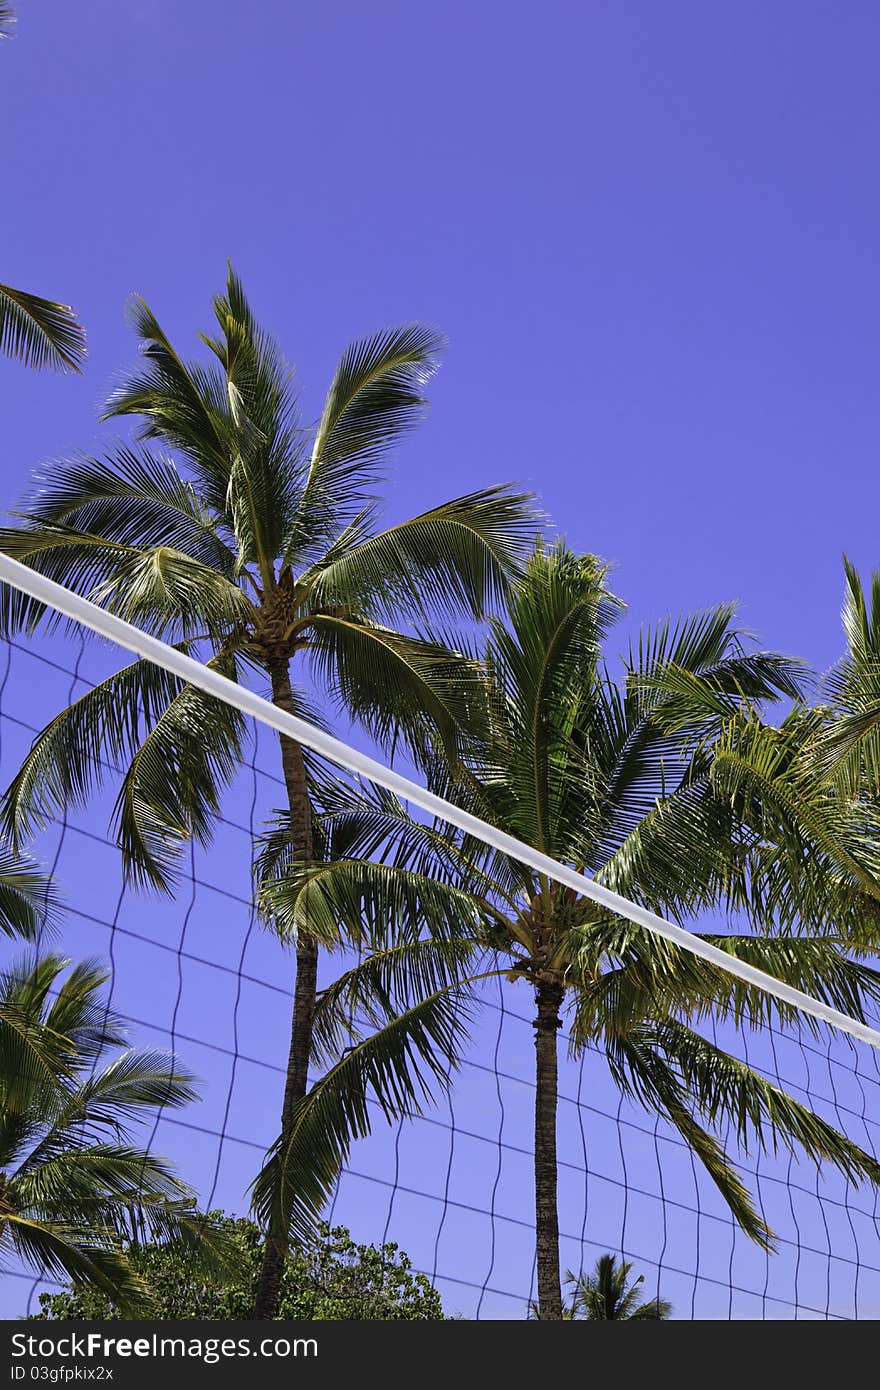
(650, 234)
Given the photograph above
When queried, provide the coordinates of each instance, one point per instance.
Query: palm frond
(458, 556)
(542, 668)
(642, 1072)
(386, 983)
(846, 750)
(90, 1180)
(180, 403)
(39, 332)
(368, 822)
(364, 901)
(762, 1113)
(116, 1097)
(703, 660)
(267, 445)
(657, 978)
(49, 1027)
(34, 1061)
(681, 853)
(172, 787)
(72, 1183)
(398, 686)
(163, 590)
(755, 768)
(29, 899)
(72, 756)
(132, 497)
(58, 1249)
(401, 1065)
(166, 591)
(816, 966)
(77, 1009)
(376, 397)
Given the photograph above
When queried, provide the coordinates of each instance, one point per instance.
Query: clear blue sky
(649, 231)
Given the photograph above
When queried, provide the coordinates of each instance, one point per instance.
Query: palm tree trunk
(547, 1023)
(305, 988)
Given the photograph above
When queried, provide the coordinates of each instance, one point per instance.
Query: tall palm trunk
(547, 1024)
(305, 988)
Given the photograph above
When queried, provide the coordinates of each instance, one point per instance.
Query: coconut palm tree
(609, 1295)
(668, 789)
(72, 1182)
(251, 540)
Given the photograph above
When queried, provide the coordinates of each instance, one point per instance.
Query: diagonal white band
(195, 673)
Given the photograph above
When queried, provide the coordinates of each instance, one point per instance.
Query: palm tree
(670, 791)
(72, 1182)
(247, 538)
(608, 1295)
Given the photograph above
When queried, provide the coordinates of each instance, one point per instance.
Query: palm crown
(670, 790)
(609, 1294)
(254, 542)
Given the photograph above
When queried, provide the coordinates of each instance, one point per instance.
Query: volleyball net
(452, 1187)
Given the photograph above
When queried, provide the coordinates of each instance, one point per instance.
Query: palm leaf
(181, 404)
(78, 1011)
(459, 555)
(393, 683)
(376, 396)
(267, 445)
(755, 767)
(762, 1113)
(133, 497)
(73, 1185)
(846, 751)
(163, 589)
(34, 1061)
(90, 1180)
(29, 900)
(114, 1099)
(385, 984)
(172, 787)
(640, 1071)
(71, 757)
(58, 1249)
(365, 901)
(39, 332)
(400, 1066)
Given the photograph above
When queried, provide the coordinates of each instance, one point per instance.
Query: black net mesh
(196, 973)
